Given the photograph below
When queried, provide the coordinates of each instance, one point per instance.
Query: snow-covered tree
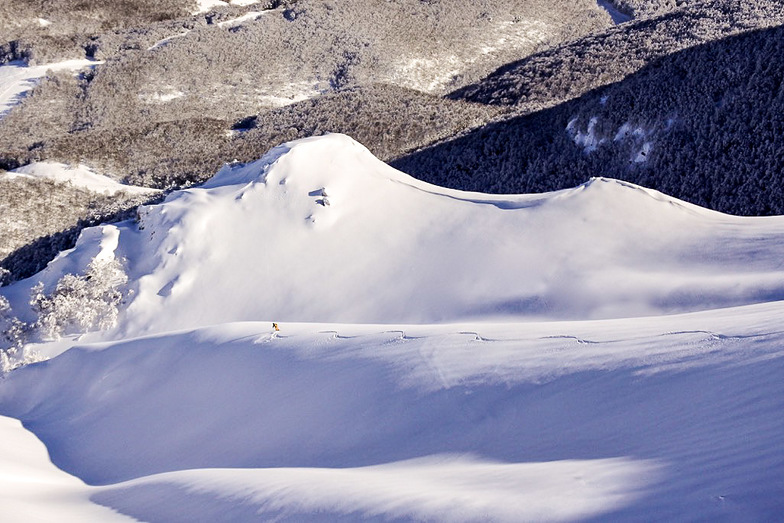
(13, 334)
(81, 303)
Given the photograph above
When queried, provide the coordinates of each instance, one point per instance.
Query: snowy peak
(307, 166)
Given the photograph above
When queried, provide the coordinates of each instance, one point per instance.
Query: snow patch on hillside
(205, 6)
(162, 94)
(640, 140)
(251, 15)
(588, 139)
(439, 70)
(16, 78)
(517, 35)
(287, 94)
(426, 74)
(639, 137)
(164, 41)
(79, 176)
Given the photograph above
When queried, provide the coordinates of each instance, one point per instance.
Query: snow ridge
(320, 230)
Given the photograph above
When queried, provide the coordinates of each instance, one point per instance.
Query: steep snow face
(320, 230)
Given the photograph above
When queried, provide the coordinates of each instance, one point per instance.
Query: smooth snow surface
(669, 418)
(442, 355)
(78, 176)
(16, 79)
(34, 490)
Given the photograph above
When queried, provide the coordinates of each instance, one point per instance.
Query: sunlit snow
(207, 5)
(603, 352)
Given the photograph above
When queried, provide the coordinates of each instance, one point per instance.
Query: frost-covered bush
(565, 72)
(48, 30)
(13, 335)
(647, 8)
(81, 303)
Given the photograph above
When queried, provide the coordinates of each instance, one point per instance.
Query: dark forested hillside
(569, 70)
(704, 124)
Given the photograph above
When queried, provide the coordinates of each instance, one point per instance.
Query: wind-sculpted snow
(320, 230)
(657, 418)
(28, 478)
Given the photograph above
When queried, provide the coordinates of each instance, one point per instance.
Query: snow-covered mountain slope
(404, 397)
(668, 418)
(320, 230)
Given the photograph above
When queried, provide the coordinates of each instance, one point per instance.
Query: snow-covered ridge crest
(319, 230)
(330, 146)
